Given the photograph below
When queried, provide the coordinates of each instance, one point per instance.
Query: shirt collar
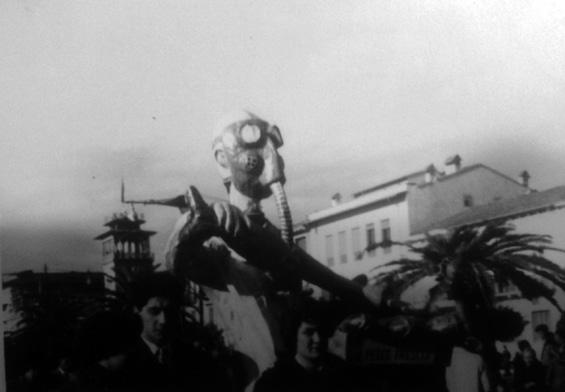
(307, 366)
(152, 346)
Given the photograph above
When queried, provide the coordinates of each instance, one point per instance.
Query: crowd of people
(528, 372)
(146, 349)
(139, 349)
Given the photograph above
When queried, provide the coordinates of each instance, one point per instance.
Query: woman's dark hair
(306, 311)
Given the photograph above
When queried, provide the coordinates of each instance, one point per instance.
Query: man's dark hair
(153, 285)
(542, 329)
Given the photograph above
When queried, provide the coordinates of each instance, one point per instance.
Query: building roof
(467, 169)
(505, 209)
(370, 199)
(127, 235)
(367, 203)
(125, 218)
(64, 280)
(389, 183)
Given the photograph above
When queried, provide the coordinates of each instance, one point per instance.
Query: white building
(407, 207)
(398, 210)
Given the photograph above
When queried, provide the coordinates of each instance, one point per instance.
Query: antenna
(178, 201)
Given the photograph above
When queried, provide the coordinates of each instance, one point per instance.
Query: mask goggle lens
(251, 132)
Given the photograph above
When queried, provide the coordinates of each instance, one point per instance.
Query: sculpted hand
(201, 222)
(231, 221)
(374, 293)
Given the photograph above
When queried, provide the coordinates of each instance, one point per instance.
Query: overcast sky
(363, 91)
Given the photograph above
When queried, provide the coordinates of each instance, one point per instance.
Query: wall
(316, 238)
(444, 197)
(550, 222)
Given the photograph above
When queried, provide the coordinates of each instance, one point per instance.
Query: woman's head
(307, 333)
(529, 356)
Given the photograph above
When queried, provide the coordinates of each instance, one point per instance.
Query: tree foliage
(468, 261)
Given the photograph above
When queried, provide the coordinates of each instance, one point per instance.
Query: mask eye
(250, 133)
(275, 135)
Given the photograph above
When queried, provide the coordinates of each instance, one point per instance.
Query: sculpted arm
(260, 244)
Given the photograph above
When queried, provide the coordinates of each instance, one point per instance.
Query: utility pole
(2, 356)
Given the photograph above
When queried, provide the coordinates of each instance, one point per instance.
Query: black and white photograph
(282, 196)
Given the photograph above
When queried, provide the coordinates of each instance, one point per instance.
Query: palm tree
(466, 263)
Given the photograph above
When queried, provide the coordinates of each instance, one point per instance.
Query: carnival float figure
(236, 255)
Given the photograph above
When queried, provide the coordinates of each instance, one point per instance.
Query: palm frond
(401, 262)
(537, 265)
(398, 287)
(471, 260)
(530, 287)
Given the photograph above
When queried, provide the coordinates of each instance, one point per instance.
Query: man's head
(523, 345)
(245, 148)
(246, 151)
(156, 299)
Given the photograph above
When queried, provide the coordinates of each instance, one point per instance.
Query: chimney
(431, 173)
(525, 179)
(336, 199)
(453, 164)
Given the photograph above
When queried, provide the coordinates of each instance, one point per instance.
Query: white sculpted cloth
(466, 373)
(240, 317)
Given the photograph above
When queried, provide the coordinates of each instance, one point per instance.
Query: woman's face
(309, 342)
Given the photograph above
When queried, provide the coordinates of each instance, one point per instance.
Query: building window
(371, 238)
(386, 235)
(301, 243)
(539, 317)
(468, 200)
(329, 250)
(356, 243)
(342, 247)
(107, 247)
(210, 311)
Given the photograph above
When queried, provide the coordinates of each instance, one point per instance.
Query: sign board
(373, 352)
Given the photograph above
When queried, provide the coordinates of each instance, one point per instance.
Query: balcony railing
(131, 255)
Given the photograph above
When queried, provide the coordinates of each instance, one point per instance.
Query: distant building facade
(25, 290)
(398, 211)
(126, 249)
(404, 209)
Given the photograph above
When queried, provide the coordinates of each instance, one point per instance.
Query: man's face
(155, 318)
(539, 335)
(249, 152)
(310, 341)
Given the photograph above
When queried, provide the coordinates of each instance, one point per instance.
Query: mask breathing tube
(283, 210)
